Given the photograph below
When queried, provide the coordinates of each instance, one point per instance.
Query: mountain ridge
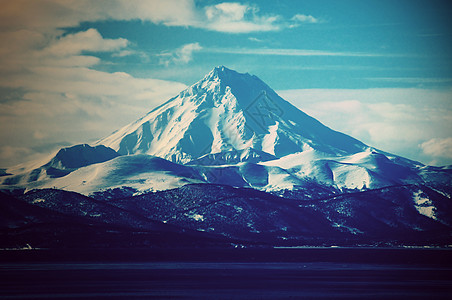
(227, 216)
(230, 158)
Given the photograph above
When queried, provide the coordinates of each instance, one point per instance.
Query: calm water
(225, 280)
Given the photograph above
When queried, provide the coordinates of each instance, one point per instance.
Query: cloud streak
(181, 55)
(412, 80)
(290, 52)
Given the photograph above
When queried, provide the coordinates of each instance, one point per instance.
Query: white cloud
(76, 105)
(183, 54)
(228, 11)
(61, 97)
(300, 18)
(234, 17)
(438, 148)
(89, 40)
(49, 15)
(20, 58)
(394, 120)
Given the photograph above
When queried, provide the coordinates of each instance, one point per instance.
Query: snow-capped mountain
(228, 128)
(282, 176)
(227, 111)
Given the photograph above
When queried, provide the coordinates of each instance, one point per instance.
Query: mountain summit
(227, 111)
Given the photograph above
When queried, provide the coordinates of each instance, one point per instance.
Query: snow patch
(38, 201)
(195, 216)
(424, 205)
(270, 139)
(352, 230)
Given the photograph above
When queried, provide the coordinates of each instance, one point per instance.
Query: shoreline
(399, 255)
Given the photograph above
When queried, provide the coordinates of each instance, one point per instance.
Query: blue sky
(309, 44)
(73, 72)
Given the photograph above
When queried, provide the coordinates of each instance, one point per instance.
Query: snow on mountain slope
(145, 173)
(141, 172)
(367, 169)
(233, 157)
(227, 111)
(245, 174)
